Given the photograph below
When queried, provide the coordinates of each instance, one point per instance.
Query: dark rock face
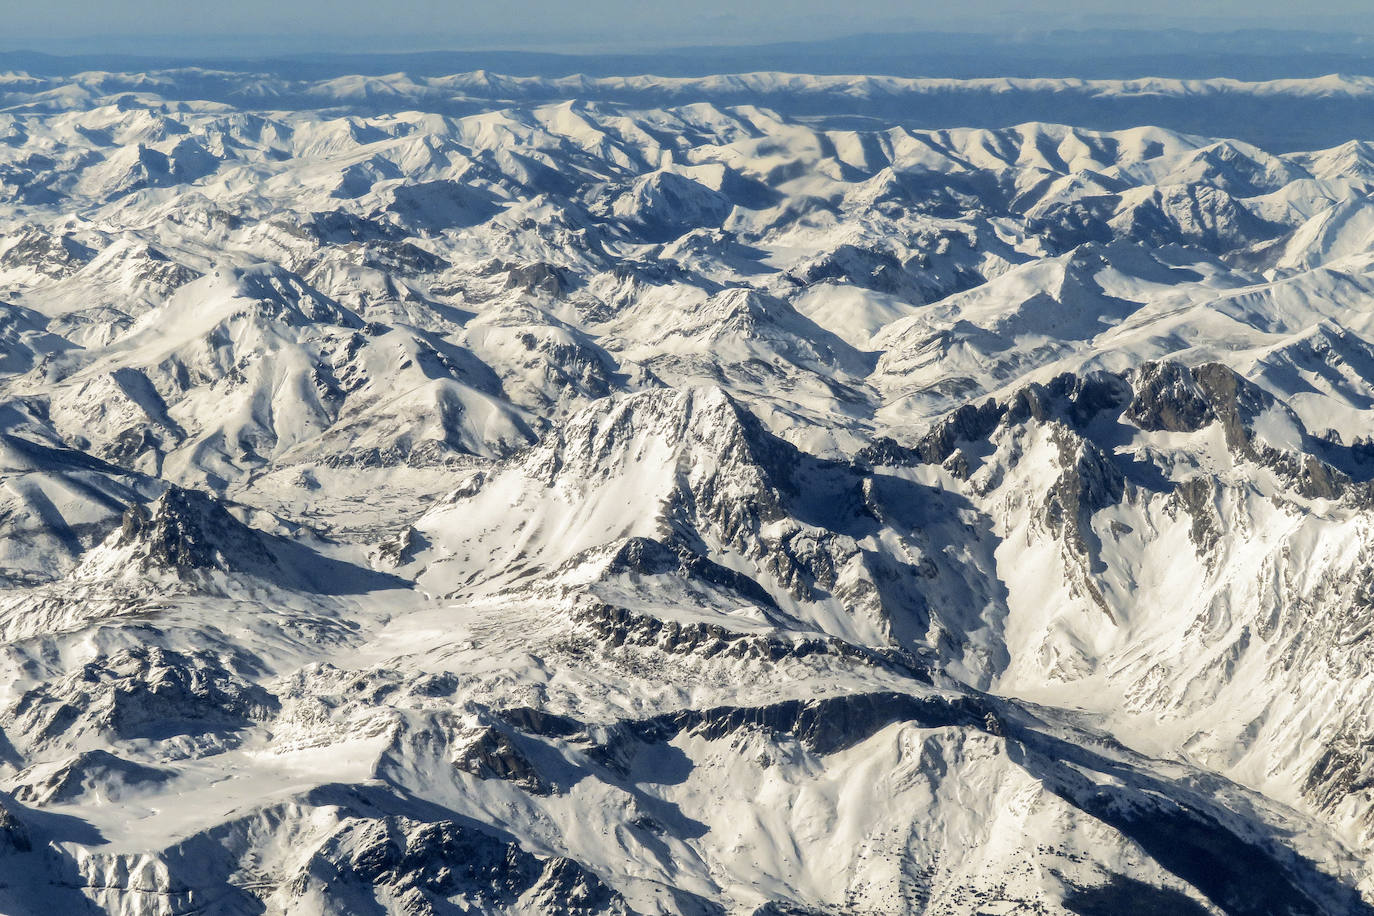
(495, 755)
(1196, 497)
(788, 909)
(164, 273)
(400, 549)
(1124, 895)
(648, 557)
(884, 451)
(1090, 481)
(55, 256)
(1234, 401)
(1346, 767)
(1083, 398)
(142, 693)
(966, 424)
(643, 556)
(342, 227)
(577, 368)
(564, 887)
(539, 722)
(14, 835)
(130, 444)
(538, 277)
(863, 267)
(823, 726)
(420, 866)
(1168, 399)
(1072, 399)
(1171, 397)
(621, 627)
(1178, 399)
(399, 257)
(188, 530)
(1157, 397)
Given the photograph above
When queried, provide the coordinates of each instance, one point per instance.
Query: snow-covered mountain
(416, 497)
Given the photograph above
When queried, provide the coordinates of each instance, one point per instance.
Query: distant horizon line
(234, 46)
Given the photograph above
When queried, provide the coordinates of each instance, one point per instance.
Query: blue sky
(197, 26)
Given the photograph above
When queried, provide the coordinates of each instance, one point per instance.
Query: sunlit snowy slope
(424, 498)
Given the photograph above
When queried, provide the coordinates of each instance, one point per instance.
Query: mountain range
(722, 495)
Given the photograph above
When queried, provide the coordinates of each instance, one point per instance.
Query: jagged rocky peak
(704, 423)
(142, 693)
(185, 530)
(540, 276)
(1164, 396)
(1172, 397)
(1071, 400)
(491, 751)
(724, 472)
(55, 254)
(429, 868)
(1168, 397)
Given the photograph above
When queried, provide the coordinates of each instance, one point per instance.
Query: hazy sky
(213, 25)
